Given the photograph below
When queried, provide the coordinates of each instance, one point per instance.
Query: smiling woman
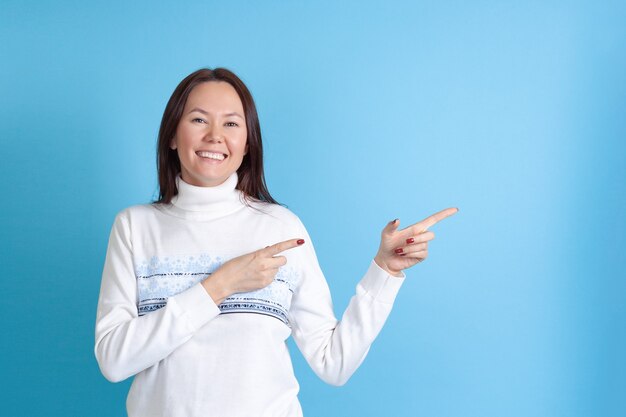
(202, 288)
(205, 99)
(211, 135)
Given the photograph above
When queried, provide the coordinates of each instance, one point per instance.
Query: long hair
(251, 178)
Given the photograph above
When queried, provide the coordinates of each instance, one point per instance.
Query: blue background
(512, 111)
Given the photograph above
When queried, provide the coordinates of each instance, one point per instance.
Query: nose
(214, 134)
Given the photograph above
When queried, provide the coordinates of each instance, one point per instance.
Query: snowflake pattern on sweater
(158, 278)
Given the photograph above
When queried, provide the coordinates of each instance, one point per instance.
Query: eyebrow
(199, 110)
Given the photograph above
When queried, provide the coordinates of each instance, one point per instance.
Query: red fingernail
(399, 250)
(410, 240)
(300, 241)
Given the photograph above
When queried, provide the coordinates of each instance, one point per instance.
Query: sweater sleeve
(335, 349)
(126, 343)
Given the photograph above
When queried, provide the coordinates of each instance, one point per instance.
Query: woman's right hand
(248, 272)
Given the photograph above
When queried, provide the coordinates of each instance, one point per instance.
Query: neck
(206, 203)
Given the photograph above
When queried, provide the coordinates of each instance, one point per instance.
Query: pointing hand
(248, 272)
(401, 249)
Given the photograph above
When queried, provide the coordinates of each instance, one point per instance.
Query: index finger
(437, 217)
(279, 247)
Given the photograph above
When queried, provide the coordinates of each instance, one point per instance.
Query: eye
(231, 124)
(198, 120)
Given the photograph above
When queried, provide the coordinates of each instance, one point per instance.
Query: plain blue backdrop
(515, 112)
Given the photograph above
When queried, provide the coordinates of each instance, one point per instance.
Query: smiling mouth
(212, 155)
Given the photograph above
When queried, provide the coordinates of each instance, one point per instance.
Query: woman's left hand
(401, 249)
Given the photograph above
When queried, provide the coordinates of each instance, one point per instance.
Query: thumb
(392, 226)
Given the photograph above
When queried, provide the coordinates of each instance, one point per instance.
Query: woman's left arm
(335, 349)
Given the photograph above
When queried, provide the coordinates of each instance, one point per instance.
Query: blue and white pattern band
(159, 278)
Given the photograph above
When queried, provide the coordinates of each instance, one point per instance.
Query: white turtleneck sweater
(191, 357)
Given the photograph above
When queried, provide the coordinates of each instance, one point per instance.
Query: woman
(201, 289)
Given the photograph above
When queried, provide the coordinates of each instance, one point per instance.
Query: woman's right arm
(125, 343)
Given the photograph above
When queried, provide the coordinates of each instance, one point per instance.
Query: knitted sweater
(191, 357)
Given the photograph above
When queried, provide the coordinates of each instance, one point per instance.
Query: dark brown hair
(251, 179)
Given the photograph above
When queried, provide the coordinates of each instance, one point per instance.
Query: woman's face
(211, 135)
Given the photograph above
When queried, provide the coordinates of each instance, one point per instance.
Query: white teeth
(212, 155)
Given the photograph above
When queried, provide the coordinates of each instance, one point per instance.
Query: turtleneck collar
(206, 203)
